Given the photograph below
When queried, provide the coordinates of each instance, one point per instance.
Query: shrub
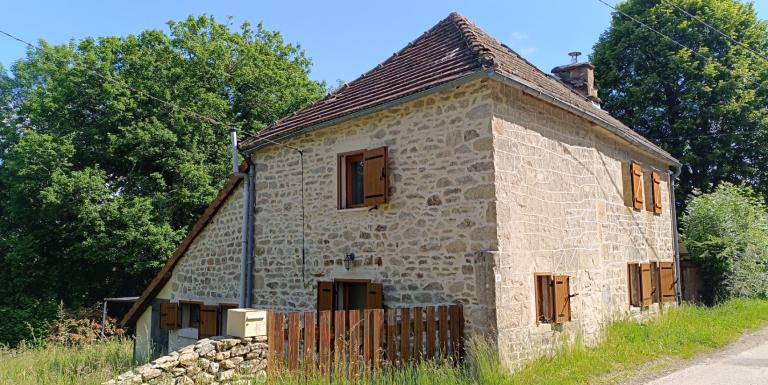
(726, 232)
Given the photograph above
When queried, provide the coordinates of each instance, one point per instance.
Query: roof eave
(479, 74)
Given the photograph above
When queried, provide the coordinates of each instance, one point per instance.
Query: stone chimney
(579, 76)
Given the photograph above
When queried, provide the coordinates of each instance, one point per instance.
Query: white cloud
(517, 42)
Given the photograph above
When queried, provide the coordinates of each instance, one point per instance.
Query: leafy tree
(99, 183)
(708, 106)
(726, 231)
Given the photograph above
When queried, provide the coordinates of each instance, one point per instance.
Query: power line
(150, 96)
(644, 25)
(716, 30)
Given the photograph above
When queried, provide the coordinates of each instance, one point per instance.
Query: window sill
(354, 209)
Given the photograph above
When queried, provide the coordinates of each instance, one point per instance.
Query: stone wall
(427, 246)
(561, 210)
(209, 361)
(210, 269)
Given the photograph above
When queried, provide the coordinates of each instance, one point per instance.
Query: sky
(344, 39)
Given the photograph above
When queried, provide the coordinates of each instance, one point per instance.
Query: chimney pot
(579, 76)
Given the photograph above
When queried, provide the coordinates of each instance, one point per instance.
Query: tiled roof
(452, 49)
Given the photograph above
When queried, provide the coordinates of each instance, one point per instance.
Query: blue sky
(343, 38)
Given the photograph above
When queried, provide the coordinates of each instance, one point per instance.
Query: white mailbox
(246, 322)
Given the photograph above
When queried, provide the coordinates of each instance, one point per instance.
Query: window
(354, 174)
(190, 315)
(362, 178)
(553, 298)
(640, 281)
(349, 295)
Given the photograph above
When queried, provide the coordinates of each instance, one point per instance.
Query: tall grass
(680, 332)
(57, 365)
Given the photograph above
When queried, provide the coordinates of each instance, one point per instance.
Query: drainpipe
(246, 199)
(675, 172)
(250, 185)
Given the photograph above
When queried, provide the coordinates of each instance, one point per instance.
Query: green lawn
(679, 333)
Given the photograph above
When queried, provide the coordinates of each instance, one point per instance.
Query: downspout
(246, 198)
(678, 274)
(250, 185)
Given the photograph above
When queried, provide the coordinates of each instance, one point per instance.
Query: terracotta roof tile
(452, 49)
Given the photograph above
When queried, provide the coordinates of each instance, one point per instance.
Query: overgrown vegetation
(679, 333)
(98, 183)
(726, 231)
(89, 364)
(705, 105)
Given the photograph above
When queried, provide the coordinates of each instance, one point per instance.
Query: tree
(726, 231)
(99, 183)
(707, 107)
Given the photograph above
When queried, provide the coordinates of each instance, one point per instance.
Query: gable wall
(427, 245)
(561, 210)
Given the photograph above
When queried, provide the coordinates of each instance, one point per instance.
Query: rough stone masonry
(210, 361)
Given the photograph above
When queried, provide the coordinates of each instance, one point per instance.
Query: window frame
(344, 187)
(183, 321)
(539, 297)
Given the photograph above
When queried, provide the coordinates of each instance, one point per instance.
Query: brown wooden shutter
(646, 286)
(562, 298)
(667, 280)
(637, 186)
(655, 282)
(209, 321)
(324, 296)
(375, 298)
(656, 180)
(169, 316)
(375, 176)
(633, 280)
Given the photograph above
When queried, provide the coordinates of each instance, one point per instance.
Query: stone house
(455, 171)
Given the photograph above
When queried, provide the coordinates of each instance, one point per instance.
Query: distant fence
(347, 343)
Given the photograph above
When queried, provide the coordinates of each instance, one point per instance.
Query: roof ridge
(484, 55)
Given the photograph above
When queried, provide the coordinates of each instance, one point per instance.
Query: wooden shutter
(375, 296)
(209, 321)
(655, 282)
(375, 176)
(169, 316)
(667, 280)
(562, 298)
(637, 186)
(646, 286)
(656, 180)
(324, 296)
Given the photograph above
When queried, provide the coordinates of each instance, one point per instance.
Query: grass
(57, 365)
(680, 332)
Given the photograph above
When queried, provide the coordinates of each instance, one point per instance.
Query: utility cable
(644, 25)
(715, 30)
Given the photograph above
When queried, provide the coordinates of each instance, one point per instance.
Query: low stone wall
(209, 361)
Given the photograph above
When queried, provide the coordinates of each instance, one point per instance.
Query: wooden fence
(348, 343)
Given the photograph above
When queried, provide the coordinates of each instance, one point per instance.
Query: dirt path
(744, 362)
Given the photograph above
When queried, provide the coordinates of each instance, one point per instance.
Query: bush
(726, 232)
